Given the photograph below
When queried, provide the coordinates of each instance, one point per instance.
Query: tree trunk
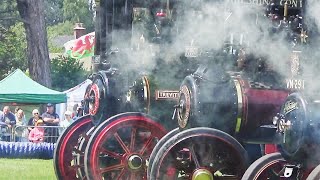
(32, 12)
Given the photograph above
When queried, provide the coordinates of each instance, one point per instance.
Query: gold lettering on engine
(290, 106)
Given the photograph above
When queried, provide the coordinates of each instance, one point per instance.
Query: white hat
(68, 113)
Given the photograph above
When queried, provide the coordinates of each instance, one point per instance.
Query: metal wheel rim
(65, 152)
(200, 167)
(113, 130)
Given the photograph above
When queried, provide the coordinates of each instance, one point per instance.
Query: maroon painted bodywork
(260, 105)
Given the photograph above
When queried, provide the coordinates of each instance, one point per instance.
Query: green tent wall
(19, 88)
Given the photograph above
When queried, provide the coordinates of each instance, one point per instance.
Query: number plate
(192, 51)
(295, 83)
(164, 95)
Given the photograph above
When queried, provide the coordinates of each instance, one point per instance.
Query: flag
(81, 47)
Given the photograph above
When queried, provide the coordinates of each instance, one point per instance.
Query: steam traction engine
(297, 134)
(297, 123)
(222, 110)
(128, 107)
(221, 103)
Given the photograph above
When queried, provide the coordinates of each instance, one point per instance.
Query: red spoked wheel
(79, 154)
(63, 154)
(200, 153)
(120, 146)
(273, 166)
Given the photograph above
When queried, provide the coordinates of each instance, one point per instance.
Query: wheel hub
(134, 162)
(202, 174)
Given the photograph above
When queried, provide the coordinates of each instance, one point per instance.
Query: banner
(81, 47)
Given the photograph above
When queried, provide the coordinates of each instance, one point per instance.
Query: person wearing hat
(36, 135)
(50, 118)
(67, 121)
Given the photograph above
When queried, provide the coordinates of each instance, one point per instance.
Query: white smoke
(209, 25)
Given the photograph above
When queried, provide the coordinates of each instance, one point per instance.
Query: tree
(78, 11)
(12, 49)
(8, 13)
(32, 13)
(53, 11)
(66, 73)
(54, 31)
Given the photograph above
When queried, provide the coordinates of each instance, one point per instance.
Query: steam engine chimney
(79, 30)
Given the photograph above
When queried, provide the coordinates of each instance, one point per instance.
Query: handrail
(20, 133)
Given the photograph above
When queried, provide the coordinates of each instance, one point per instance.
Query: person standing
(67, 121)
(20, 118)
(8, 117)
(20, 129)
(51, 118)
(35, 117)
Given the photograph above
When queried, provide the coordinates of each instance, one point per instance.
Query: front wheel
(200, 153)
(273, 166)
(120, 147)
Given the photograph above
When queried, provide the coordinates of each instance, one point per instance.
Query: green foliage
(65, 28)
(78, 11)
(12, 49)
(53, 11)
(66, 73)
(8, 13)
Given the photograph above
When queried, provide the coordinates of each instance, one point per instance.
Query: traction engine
(227, 98)
(221, 111)
(297, 123)
(128, 107)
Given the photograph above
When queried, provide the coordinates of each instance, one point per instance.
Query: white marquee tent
(74, 96)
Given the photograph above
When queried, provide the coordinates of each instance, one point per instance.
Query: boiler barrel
(233, 104)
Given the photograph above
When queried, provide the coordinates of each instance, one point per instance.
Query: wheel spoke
(112, 168)
(194, 156)
(75, 167)
(110, 153)
(124, 147)
(133, 138)
(148, 142)
(133, 176)
(121, 174)
(78, 151)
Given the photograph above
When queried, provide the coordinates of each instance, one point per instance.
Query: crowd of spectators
(44, 127)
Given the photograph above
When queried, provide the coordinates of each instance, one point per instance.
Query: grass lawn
(26, 169)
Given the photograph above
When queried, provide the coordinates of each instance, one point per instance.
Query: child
(36, 135)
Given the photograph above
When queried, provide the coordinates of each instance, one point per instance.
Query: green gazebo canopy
(19, 88)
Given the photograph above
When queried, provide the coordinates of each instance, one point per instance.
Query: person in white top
(67, 121)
